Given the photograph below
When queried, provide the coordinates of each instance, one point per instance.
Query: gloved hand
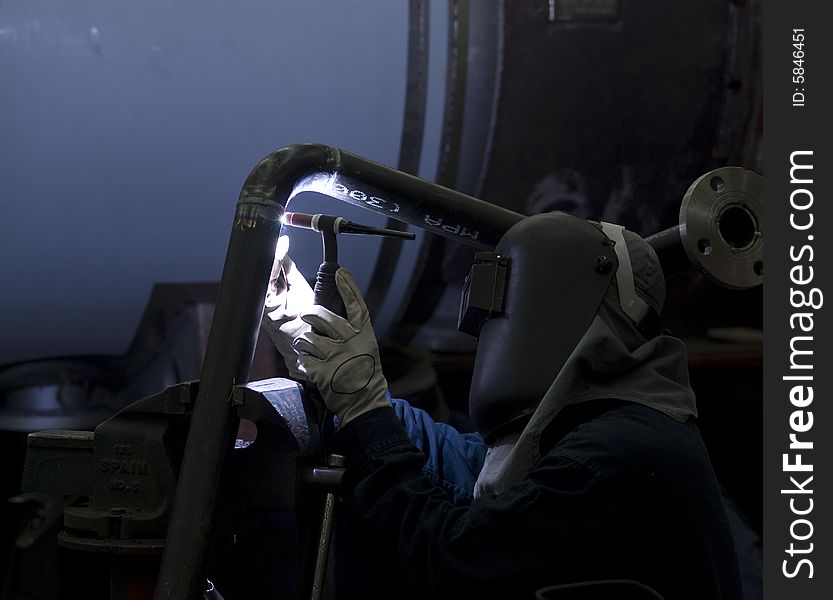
(287, 295)
(342, 357)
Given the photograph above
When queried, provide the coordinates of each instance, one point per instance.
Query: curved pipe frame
(265, 194)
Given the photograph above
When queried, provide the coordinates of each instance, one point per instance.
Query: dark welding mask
(530, 303)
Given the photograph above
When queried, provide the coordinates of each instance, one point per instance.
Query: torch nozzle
(302, 220)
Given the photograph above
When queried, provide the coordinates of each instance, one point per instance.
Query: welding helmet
(530, 303)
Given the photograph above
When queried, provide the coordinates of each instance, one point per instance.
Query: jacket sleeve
(536, 533)
(452, 459)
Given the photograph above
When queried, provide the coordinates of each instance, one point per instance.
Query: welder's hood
(603, 366)
(534, 360)
(612, 360)
(615, 360)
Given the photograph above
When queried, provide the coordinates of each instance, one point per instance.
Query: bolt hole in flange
(717, 183)
(705, 247)
(737, 227)
(758, 267)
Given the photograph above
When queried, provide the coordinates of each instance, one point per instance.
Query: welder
(597, 474)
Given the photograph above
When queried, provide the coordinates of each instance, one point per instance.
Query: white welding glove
(342, 357)
(288, 294)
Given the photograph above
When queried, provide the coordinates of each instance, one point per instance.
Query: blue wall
(127, 129)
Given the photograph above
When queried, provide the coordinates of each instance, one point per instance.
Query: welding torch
(326, 293)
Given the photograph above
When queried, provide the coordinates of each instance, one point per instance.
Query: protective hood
(559, 270)
(612, 361)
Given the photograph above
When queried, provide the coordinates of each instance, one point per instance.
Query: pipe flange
(721, 226)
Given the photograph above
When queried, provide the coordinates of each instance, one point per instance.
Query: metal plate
(721, 226)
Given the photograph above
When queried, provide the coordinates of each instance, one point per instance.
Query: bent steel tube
(375, 187)
(265, 194)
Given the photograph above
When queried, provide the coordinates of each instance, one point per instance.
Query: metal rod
(348, 227)
(326, 534)
(340, 225)
(265, 194)
(323, 550)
